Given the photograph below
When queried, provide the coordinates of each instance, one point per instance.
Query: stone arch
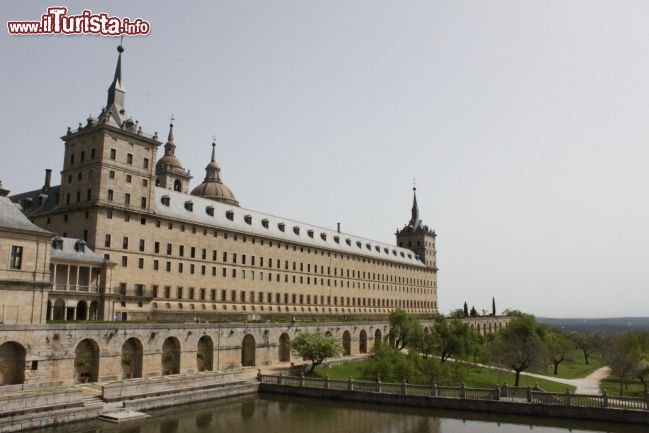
(205, 354)
(347, 343)
(490, 327)
(59, 310)
(426, 330)
(328, 334)
(478, 328)
(248, 349)
(378, 338)
(82, 310)
(86, 361)
(362, 342)
(171, 356)
(284, 348)
(132, 358)
(12, 363)
(93, 310)
(177, 185)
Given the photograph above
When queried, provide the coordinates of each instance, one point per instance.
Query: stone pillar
(67, 279)
(76, 286)
(50, 312)
(54, 278)
(74, 313)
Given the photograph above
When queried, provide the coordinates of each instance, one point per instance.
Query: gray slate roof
(249, 221)
(35, 202)
(70, 253)
(13, 219)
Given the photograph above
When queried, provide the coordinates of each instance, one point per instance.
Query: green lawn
(574, 367)
(612, 386)
(476, 377)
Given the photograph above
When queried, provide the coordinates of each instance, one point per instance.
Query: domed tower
(418, 237)
(169, 171)
(212, 187)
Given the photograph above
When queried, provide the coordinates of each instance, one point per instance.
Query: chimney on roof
(48, 180)
(3, 192)
(338, 227)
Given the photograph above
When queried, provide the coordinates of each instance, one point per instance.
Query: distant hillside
(613, 325)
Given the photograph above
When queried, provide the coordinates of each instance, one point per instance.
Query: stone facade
(78, 352)
(179, 256)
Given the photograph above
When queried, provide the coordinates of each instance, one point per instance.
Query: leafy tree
(558, 348)
(315, 346)
(473, 313)
(466, 310)
(587, 343)
(519, 346)
(628, 357)
(642, 371)
(493, 307)
(450, 338)
(458, 314)
(405, 330)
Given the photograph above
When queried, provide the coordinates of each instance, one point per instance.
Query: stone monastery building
(130, 239)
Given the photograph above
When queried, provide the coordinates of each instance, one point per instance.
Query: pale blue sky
(526, 124)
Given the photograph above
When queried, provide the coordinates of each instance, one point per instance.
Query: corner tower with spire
(108, 167)
(418, 237)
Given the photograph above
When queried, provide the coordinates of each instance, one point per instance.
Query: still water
(276, 414)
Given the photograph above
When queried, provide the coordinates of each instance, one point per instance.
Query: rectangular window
(127, 199)
(107, 241)
(168, 249)
(110, 195)
(125, 243)
(156, 247)
(113, 154)
(129, 158)
(181, 250)
(146, 163)
(143, 202)
(140, 263)
(179, 292)
(128, 178)
(124, 261)
(154, 291)
(155, 265)
(16, 257)
(111, 174)
(192, 252)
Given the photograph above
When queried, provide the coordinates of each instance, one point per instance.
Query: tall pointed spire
(414, 221)
(116, 90)
(212, 170)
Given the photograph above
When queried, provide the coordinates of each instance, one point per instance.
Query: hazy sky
(525, 123)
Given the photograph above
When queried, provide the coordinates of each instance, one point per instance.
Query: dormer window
(57, 243)
(348, 242)
(368, 246)
(402, 255)
(80, 246)
(323, 236)
(359, 244)
(281, 227)
(209, 210)
(296, 230)
(337, 239)
(394, 252)
(377, 248)
(264, 223)
(229, 215)
(310, 233)
(166, 200)
(386, 251)
(409, 256)
(248, 219)
(189, 205)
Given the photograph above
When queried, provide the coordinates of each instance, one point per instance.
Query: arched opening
(86, 361)
(378, 338)
(171, 356)
(59, 310)
(82, 310)
(132, 358)
(12, 364)
(284, 348)
(426, 330)
(177, 185)
(362, 342)
(248, 347)
(205, 354)
(328, 334)
(347, 343)
(490, 329)
(93, 310)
